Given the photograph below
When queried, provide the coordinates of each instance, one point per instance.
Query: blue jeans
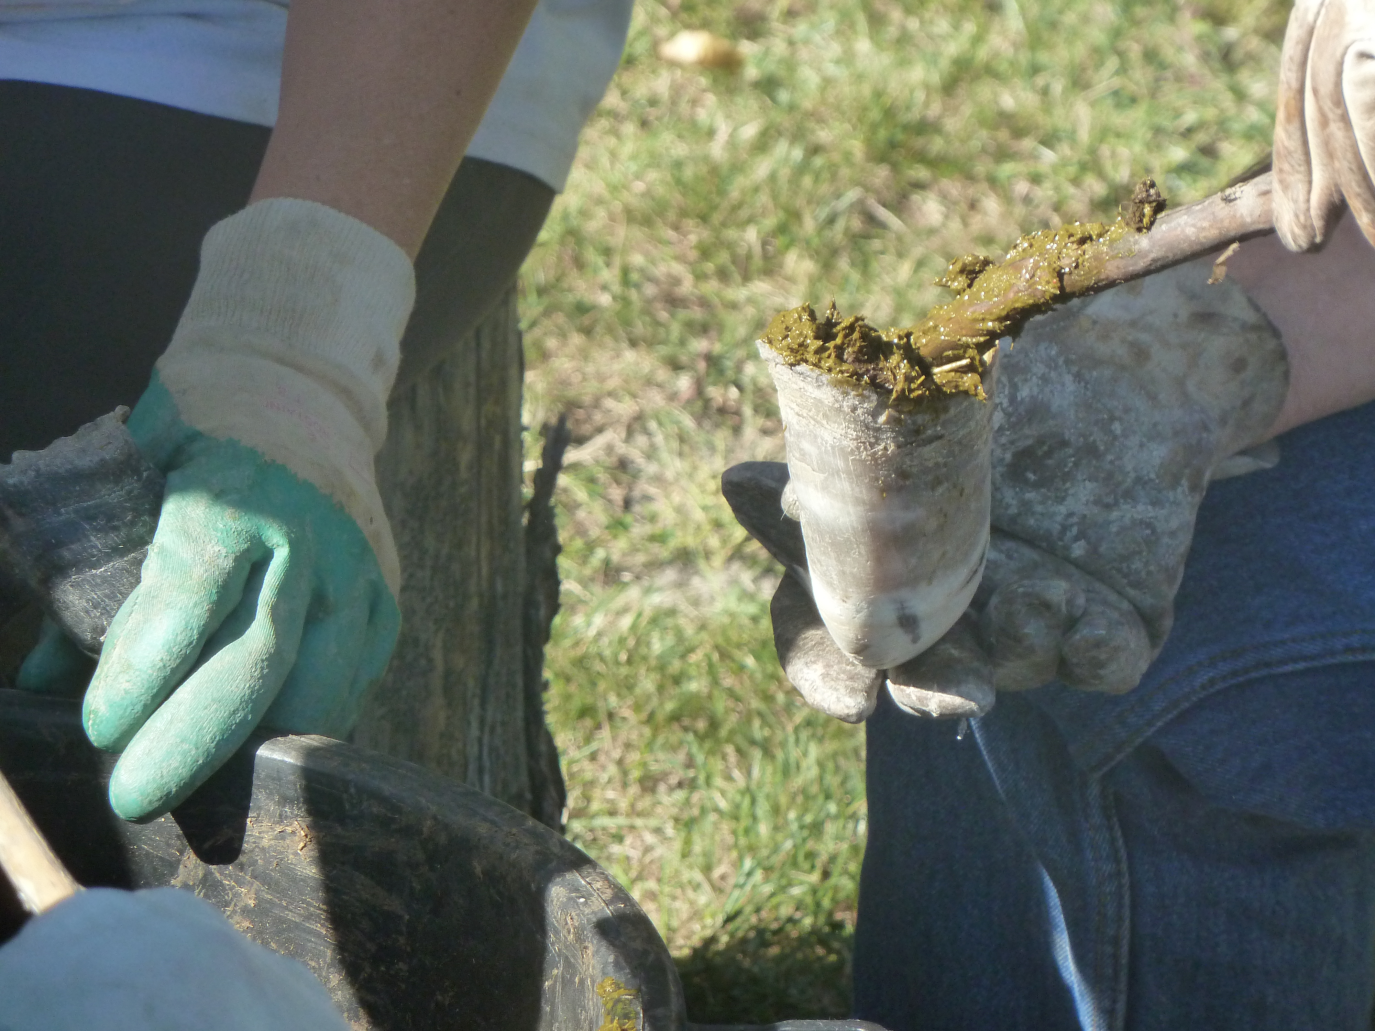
(1199, 853)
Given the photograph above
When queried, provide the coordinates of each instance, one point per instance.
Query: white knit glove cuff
(290, 343)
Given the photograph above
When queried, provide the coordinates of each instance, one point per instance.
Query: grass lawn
(860, 146)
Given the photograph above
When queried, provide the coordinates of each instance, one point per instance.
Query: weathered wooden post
(457, 697)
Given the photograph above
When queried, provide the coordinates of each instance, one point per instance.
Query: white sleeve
(556, 78)
(224, 58)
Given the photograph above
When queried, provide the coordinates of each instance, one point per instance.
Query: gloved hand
(157, 960)
(269, 591)
(1325, 124)
(1113, 414)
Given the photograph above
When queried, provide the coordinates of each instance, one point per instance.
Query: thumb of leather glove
(957, 684)
(828, 679)
(1113, 413)
(269, 591)
(1325, 121)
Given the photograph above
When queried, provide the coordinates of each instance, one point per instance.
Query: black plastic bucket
(419, 903)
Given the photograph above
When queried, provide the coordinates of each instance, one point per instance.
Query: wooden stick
(1236, 213)
(1003, 298)
(38, 876)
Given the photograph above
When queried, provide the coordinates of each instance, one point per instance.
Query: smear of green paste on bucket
(621, 1005)
(943, 353)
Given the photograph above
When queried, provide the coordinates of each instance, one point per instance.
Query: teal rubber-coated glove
(269, 591)
(55, 665)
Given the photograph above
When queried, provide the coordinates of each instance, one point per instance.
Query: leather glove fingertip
(1023, 626)
(1107, 650)
(828, 679)
(953, 679)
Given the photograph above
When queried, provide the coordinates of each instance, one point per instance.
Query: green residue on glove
(260, 602)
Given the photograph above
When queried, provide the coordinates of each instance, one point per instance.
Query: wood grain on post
(461, 695)
(450, 476)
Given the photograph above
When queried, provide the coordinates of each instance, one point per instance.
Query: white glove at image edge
(1324, 157)
(154, 960)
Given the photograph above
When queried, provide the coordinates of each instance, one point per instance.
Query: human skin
(1323, 304)
(380, 99)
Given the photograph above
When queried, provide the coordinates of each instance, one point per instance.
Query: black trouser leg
(103, 204)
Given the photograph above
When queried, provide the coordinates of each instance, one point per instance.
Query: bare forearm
(379, 101)
(1324, 305)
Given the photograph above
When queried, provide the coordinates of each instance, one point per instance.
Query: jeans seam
(1113, 909)
(1102, 752)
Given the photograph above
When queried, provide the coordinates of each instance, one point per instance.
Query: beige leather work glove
(1325, 122)
(1112, 415)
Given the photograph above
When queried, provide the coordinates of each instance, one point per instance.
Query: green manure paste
(943, 354)
(620, 1005)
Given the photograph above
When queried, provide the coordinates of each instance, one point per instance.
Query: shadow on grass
(758, 975)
